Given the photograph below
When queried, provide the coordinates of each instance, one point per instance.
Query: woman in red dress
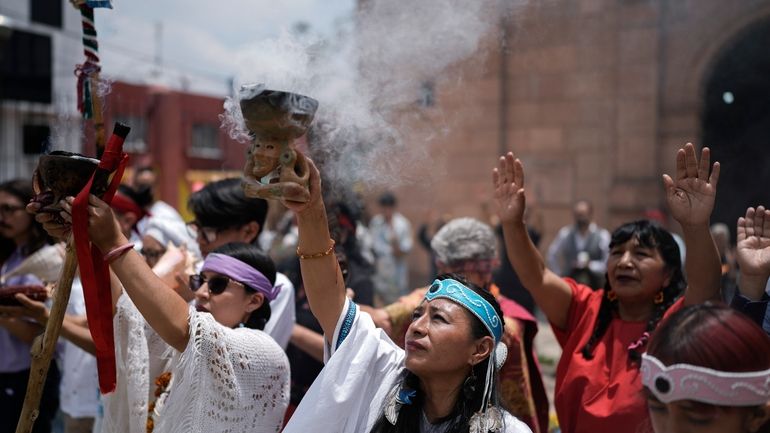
(604, 332)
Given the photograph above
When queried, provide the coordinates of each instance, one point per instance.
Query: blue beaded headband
(472, 301)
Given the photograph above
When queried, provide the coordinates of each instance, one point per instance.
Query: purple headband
(241, 272)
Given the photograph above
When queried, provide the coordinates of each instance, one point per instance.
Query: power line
(133, 53)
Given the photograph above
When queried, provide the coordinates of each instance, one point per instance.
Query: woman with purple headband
(190, 369)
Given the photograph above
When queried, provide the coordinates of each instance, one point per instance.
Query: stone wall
(595, 96)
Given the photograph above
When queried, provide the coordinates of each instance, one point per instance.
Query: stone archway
(735, 121)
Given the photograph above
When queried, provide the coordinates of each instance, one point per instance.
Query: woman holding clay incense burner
(604, 332)
(446, 379)
(225, 373)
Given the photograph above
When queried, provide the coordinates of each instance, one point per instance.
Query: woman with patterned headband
(205, 369)
(604, 332)
(708, 370)
(445, 380)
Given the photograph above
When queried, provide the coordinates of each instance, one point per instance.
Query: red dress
(603, 394)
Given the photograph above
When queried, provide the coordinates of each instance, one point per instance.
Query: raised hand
(753, 248)
(508, 181)
(58, 228)
(691, 195)
(103, 229)
(297, 192)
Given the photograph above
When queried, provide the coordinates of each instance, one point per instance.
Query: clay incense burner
(275, 120)
(58, 175)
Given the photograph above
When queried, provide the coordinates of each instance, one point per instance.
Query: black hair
(222, 204)
(467, 404)
(387, 199)
(142, 168)
(141, 196)
(22, 189)
(258, 260)
(650, 235)
(343, 220)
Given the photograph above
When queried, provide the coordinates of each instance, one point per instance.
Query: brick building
(595, 96)
(178, 134)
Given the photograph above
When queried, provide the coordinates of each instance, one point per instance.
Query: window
(205, 141)
(46, 12)
(26, 67)
(36, 139)
(427, 94)
(136, 142)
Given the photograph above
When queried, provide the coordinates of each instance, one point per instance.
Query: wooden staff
(90, 103)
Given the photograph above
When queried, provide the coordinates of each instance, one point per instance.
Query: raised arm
(62, 232)
(321, 275)
(163, 309)
(552, 294)
(690, 198)
(753, 252)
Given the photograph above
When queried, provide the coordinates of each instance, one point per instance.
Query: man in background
(580, 250)
(392, 240)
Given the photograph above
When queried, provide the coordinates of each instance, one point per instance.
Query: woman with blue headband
(182, 368)
(445, 380)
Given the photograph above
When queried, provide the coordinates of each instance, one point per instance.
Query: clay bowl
(277, 114)
(61, 174)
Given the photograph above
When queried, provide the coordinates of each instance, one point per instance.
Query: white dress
(79, 387)
(226, 380)
(362, 367)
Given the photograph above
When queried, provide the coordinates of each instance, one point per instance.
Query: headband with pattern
(471, 301)
(691, 382)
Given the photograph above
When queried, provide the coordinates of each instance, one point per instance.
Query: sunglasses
(7, 209)
(152, 254)
(217, 283)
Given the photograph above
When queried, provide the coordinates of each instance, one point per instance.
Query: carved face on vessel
(265, 156)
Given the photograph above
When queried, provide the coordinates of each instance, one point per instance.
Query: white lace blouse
(226, 380)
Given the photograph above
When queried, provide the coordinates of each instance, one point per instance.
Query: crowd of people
(298, 316)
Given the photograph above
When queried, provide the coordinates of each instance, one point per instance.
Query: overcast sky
(200, 39)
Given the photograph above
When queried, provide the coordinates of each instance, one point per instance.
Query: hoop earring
(612, 296)
(658, 298)
(469, 386)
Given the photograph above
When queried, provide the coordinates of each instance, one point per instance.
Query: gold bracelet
(316, 255)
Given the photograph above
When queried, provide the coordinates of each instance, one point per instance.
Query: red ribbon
(94, 272)
(124, 204)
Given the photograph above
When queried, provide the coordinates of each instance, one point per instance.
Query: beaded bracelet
(117, 252)
(317, 255)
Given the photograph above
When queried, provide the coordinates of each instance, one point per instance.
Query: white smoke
(367, 79)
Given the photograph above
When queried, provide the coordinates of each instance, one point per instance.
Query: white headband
(690, 382)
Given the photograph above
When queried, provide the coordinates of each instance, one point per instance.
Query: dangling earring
(612, 296)
(658, 298)
(469, 386)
